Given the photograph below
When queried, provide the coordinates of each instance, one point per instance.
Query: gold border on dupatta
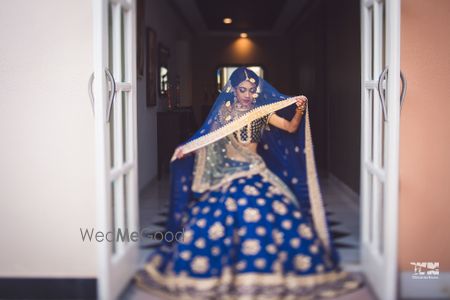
(315, 196)
(225, 130)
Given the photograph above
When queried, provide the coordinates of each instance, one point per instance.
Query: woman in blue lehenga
(248, 206)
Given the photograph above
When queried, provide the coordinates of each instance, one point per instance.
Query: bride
(245, 195)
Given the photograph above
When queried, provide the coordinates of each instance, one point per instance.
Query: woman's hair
(242, 74)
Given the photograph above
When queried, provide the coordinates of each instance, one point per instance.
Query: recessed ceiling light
(227, 21)
(244, 35)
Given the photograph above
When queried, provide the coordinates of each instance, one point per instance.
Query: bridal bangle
(300, 108)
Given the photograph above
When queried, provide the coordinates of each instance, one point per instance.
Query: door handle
(91, 94)
(380, 88)
(404, 87)
(380, 92)
(112, 95)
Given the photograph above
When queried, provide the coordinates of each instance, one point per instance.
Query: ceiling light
(227, 20)
(244, 35)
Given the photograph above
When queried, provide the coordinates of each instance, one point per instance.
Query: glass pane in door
(125, 125)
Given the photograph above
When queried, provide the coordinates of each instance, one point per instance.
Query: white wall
(170, 31)
(47, 139)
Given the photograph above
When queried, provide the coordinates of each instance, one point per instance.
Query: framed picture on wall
(163, 58)
(151, 66)
(140, 45)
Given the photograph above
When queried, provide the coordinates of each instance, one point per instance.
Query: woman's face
(245, 91)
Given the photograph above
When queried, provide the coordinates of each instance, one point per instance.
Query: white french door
(380, 118)
(114, 99)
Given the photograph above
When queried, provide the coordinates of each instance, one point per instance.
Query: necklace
(247, 129)
(240, 107)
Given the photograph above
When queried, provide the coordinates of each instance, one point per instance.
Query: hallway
(342, 211)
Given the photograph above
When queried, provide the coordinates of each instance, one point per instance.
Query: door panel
(380, 81)
(116, 144)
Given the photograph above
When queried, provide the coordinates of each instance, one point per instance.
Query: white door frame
(380, 54)
(114, 91)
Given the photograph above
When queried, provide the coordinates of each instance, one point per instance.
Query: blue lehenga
(253, 225)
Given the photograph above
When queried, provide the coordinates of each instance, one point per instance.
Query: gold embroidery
(260, 263)
(251, 247)
(216, 231)
(270, 217)
(200, 264)
(242, 231)
(295, 242)
(274, 190)
(313, 248)
(251, 190)
(186, 254)
(231, 204)
(260, 230)
(305, 231)
(241, 265)
(297, 214)
(251, 215)
(302, 262)
(271, 248)
(286, 224)
(328, 293)
(201, 223)
(187, 236)
(215, 251)
(245, 279)
(200, 243)
(242, 201)
(279, 207)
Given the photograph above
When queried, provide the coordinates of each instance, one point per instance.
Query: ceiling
(255, 17)
(249, 15)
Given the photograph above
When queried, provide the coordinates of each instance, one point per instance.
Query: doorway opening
(309, 65)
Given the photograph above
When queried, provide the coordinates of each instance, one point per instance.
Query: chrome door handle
(91, 94)
(112, 95)
(404, 87)
(380, 87)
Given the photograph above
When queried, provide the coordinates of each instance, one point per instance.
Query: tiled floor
(340, 203)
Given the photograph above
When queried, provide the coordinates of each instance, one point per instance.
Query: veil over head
(219, 157)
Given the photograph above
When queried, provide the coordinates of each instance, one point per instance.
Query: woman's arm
(292, 125)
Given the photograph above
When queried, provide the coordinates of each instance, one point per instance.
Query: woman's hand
(301, 102)
(179, 153)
